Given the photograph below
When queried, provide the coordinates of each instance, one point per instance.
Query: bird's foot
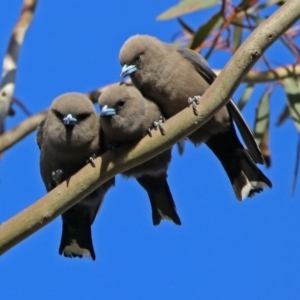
(194, 101)
(90, 160)
(57, 176)
(149, 132)
(159, 124)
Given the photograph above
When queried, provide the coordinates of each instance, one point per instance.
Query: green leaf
(265, 149)
(246, 96)
(292, 90)
(185, 7)
(261, 126)
(185, 26)
(237, 33)
(205, 30)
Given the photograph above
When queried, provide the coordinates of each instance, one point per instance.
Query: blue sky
(223, 250)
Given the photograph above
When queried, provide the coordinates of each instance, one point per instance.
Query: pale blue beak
(127, 70)
(107, 111)
(69, 120)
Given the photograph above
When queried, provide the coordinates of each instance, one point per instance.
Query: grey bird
(126, 117)
(69, 139)
(173, 78)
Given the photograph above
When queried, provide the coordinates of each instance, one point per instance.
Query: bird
(68, 139)
(125, 118)
(175, 78)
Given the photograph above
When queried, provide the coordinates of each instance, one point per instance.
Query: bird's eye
(82, 116)
(58, 114)
(121, 103)
(138, 57)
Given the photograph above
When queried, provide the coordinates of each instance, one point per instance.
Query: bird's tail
(76, 239)
(161, 199)
(246, 178)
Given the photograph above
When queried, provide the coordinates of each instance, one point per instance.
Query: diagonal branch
(8, 83)
(272, 75)
(87, 179)
(11, 137)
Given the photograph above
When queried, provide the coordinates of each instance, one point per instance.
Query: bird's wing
(206, 72)
(39, 134)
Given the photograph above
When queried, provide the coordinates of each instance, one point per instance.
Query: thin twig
(11, 137)
(8, 82)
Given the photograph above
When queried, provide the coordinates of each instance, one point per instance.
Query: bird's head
(140, 54)
(72, 116)
(122, 108)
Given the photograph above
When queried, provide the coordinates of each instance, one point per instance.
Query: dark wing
(39, 134)
(246, 132)
(206, 72)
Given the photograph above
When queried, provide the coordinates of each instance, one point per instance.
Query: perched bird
(69, 138)
(173, 79)
(125, 118)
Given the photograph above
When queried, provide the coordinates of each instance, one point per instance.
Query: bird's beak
(127, 70)
(69, 120)
(107, 111)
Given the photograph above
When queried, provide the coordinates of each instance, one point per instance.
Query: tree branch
(8, 83)
(11, 137)
(268, 76)
(87, 179)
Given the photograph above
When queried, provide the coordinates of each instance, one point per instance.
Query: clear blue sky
(223, 250)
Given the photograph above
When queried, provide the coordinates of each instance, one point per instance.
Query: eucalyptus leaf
(246, 96)
(205, 30)
(237, 33)
(292, 90)
(185, 7)
(261, 126)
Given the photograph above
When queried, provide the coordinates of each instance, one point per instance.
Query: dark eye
(138, 57)
(121, 103)
(58, 114)
(83, 116)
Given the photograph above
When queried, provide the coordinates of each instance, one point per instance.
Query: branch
(8, 83)
(88, 179)
(268, 76)
(11, 137)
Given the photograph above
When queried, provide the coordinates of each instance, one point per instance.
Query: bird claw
(149, 132)
(159, 124)
(90, 160)
(194, 101)
(57, 176)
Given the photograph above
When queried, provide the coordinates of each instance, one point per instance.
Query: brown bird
(126, 117)
(173, 79)
(69, 138)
